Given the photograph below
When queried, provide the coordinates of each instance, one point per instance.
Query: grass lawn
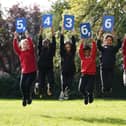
(63, 113)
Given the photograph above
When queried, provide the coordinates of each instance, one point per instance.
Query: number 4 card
(47, 20)
(68, 22)
(20, 25)
(108, 23)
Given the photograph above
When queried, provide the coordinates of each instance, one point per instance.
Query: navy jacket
(108, 54)
(46, 54)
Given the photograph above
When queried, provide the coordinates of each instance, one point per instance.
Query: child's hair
(45, 41)
(87, 47)
(68, 42)
(108, 35)
(22, 42)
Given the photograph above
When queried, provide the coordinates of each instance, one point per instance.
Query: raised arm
(81, 50)
(118, 46)
(124, 47)
(15, 44)
(40, 40)
(93, 50)
(99, 40)
(73, 44)
(62, 42)
(53, 42)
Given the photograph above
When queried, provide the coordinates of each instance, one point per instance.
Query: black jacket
(67, 60)
(46, 54)
(108, 54)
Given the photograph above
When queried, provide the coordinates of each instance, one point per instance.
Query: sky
(44, 4)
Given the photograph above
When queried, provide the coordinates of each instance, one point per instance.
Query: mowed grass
(63, 113)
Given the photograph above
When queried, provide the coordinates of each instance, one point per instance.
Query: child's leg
(42, 76)
(31, 79)
(50, 76)
(124, 77)
(90, 87)
(23, 85)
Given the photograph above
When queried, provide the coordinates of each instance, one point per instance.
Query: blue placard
(68, 22)
(85, 30)
(20, 25)
(108, 23)
(47, 20)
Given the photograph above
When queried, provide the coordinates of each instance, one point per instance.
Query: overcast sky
(44, 4)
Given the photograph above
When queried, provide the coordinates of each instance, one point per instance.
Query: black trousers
(86, 84)
(107, 76)
(26, 84)
(43, 74)
(66, 81)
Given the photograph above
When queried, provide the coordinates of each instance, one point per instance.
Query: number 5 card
(108, 23)
(68, 22)
(47, 20)
(20, 25)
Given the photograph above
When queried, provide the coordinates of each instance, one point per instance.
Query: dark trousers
(43, 73)
(66, 81)
(106, 79)
(86, 84)
(26, 84)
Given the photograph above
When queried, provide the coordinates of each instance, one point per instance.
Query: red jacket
(27, 58)
(88, 64)
(124, 53)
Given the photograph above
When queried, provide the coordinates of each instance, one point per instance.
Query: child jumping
(107, 59)
(26, 53)
(47, 51)
(88, 70)
(67, 53)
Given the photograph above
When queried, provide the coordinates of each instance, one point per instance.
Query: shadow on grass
(108, 120)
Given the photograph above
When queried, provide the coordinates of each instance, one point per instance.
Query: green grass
(63, 113)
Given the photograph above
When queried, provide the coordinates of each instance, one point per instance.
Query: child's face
(68, 48)
(25, 45)
(87, 53)
(108, 41)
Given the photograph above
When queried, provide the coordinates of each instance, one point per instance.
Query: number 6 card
(108, 23)
(20, 25)
(85, 30)
(68, 22)
(47, 20)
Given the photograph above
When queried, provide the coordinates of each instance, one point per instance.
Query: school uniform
(45, 63)
(88, 71)
(28, 68)
(107, 63)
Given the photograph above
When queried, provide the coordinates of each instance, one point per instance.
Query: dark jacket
(67, 60)
(108, 54)
(46, 54)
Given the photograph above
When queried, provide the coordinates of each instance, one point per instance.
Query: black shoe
(29, 101)
(86, 100)
(24, 103)
(91, 98)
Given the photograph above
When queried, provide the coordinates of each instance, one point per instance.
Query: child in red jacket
(88, 70)
(25, 51)
(124, 61)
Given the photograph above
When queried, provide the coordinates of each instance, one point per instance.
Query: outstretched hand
(15, 35)
(26, 34)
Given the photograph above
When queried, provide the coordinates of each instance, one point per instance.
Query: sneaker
(40, 95)
(91, 98)
(66, 94)
(86, 100)
(24, 103)
(61, 97)
(29, 101)
(36, 88)
(49, 93)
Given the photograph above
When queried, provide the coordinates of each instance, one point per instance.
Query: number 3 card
(20, 25)
(85, 30)
(108, 23)
(68, 22)
(47, 20)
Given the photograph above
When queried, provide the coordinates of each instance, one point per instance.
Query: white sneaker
(61, 97)
(36, 88)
